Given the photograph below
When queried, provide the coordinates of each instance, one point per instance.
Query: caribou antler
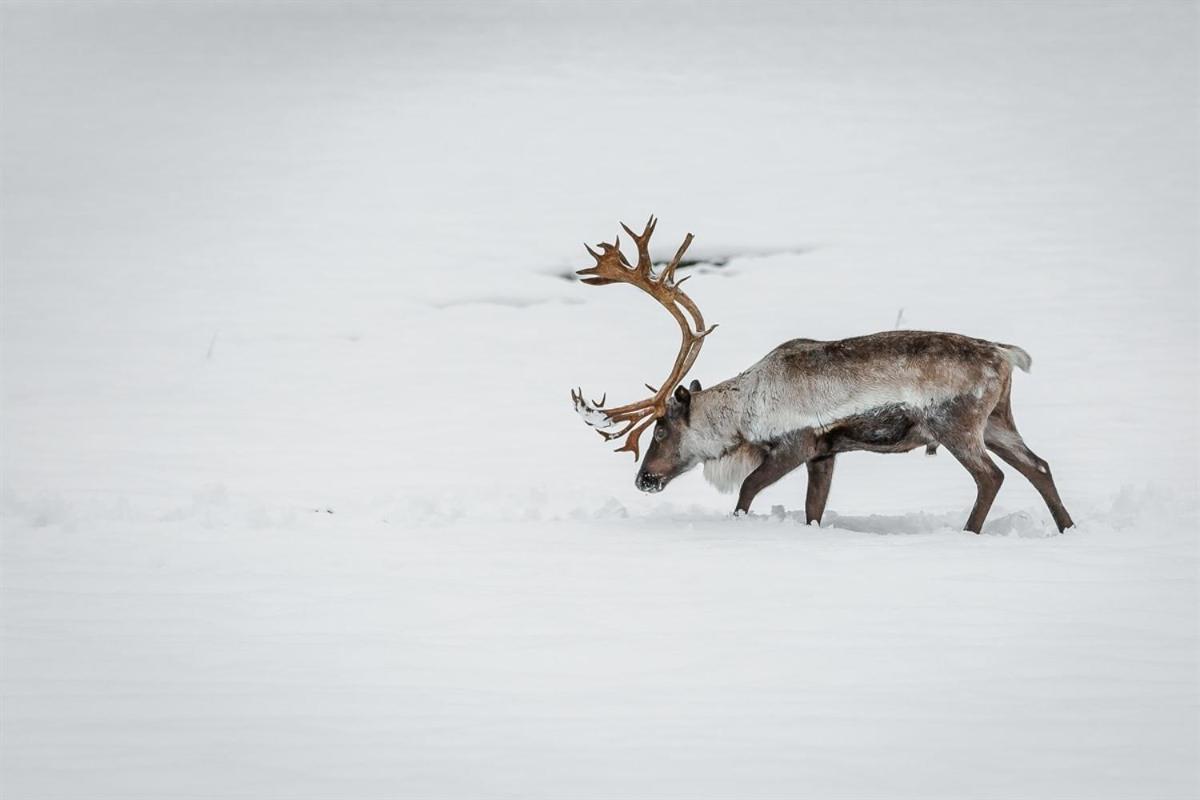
(612, 267)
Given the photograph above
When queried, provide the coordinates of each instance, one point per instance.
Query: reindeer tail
(1016, 356)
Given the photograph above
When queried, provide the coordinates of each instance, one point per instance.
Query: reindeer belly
(887, 429)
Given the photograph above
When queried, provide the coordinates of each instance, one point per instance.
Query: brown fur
(890, 392)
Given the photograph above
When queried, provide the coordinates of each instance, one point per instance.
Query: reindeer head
(671, 453)
(669, 410)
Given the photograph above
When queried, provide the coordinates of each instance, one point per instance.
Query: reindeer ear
(694, 386)
(684, 400)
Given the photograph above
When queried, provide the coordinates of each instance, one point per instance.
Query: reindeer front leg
(781, 458)
(820, 478)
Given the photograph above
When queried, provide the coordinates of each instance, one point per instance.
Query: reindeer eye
(660, 433)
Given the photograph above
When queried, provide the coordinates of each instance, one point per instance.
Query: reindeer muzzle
(648, 482)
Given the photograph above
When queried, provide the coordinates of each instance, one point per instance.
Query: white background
(295, 504)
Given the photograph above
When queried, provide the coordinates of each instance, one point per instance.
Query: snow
(294, 499)
(590, 412)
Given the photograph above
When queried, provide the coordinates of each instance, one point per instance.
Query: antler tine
(612, 267)
(608, 253)
(643, 244)
(668, 275)
(631, 443)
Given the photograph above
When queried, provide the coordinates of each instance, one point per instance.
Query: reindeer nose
(647, 482)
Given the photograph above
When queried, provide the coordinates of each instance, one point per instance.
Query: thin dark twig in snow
(211, 346)
(899, 319)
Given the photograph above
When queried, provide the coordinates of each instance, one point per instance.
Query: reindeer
(808, 400)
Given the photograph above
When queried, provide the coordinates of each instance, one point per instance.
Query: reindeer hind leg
(962, 434)
(1002, 438)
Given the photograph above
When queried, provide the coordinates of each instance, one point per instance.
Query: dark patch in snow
(713, 264)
